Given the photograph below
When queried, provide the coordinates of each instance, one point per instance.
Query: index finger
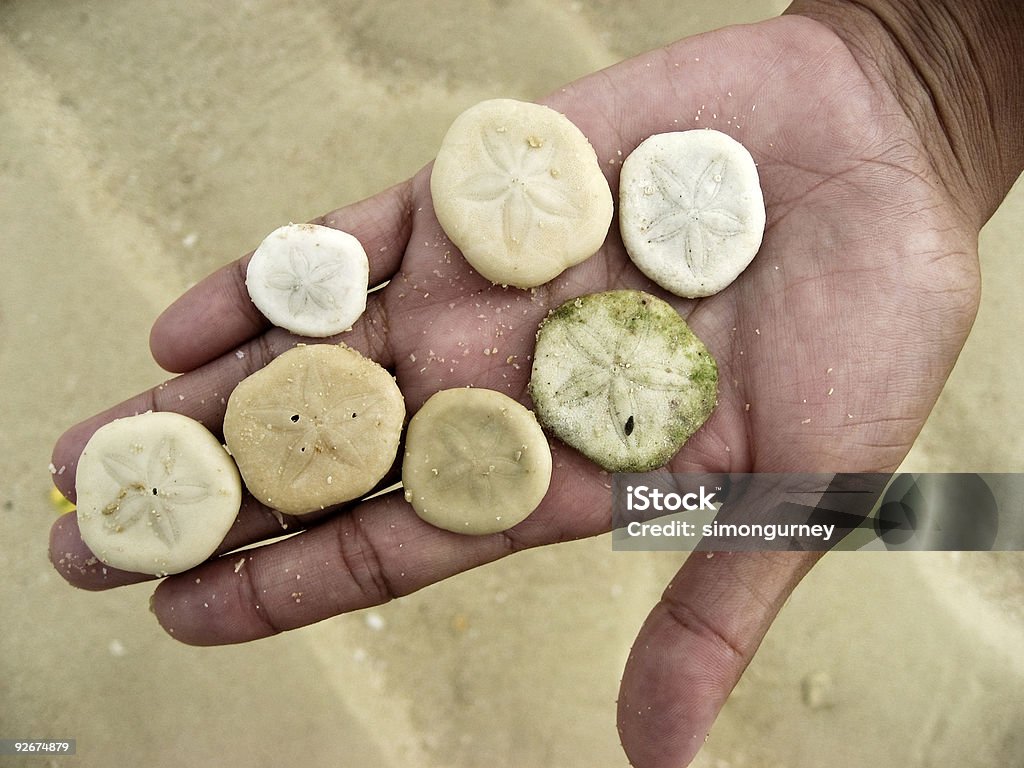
(216, 315)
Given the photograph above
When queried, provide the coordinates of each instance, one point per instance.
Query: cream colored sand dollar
(157, 493)
(476, 461)
(318, 426)
(308, 279)
(621, 378)
(518, 188)
(691, 212)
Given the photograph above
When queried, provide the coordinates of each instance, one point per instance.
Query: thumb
(216, 315)
(694, 646)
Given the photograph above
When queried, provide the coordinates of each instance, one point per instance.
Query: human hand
(851, 316)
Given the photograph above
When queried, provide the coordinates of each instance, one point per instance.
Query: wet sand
(140, 148)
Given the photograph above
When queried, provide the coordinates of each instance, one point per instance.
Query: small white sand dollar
(476, 461)
(318, 426)
(621, 378)
(308, 279)
(691, 212)
(157, 493)
(518, 188)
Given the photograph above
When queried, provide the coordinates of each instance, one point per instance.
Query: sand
(140, 147)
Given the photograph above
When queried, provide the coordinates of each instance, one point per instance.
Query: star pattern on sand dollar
(475, 462)
(150, 491)
(693, 214)
(618, 367)
(318, 423)
(521, 180)
(306, 283)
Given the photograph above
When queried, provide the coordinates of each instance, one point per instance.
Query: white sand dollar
(518, 188)
(157, 493)
(691, 212)
(318, 426)
(308, 279)
(621, 378)
(476, 461)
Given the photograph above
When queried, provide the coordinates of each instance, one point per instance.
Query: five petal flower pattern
(150, 491)
(476, 461)
(617, 369)
(305, 284)
(326, 424)
(520, 178)
(694, 214)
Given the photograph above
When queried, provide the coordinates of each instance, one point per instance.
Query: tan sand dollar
(518, 188)
(691, 212)
(318, 426)
(476, 461)
(308, 279)
(621, 378)
(157, 493)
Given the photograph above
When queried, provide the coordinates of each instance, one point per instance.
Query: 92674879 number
(37, 746)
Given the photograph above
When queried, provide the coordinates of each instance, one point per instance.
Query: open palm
(832, 348)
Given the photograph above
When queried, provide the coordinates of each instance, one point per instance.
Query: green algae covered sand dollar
(157, 493)
(519, 189)
(621, 378)
(318, 426)
(476, 461)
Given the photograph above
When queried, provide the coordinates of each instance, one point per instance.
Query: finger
(216, 315)
(694, 646)
(202, 394)
(255, 523)
(376, 552)
(81, 568)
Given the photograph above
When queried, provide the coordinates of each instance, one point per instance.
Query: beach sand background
(143, 144)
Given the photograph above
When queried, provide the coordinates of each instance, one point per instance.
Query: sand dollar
(318, 426)
(157, 493)
(691, 212)
(308, 279)
(518, 188)
(621, 378)
(476, 461)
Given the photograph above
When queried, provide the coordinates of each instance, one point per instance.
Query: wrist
(955, 69)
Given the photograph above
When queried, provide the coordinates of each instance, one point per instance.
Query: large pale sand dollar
(518, 188)
(157, 493)
(318, 426)
(621, 378)
(308, 279)
(691, 211)
(476, 461)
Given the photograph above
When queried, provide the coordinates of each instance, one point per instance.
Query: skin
(876, 182)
